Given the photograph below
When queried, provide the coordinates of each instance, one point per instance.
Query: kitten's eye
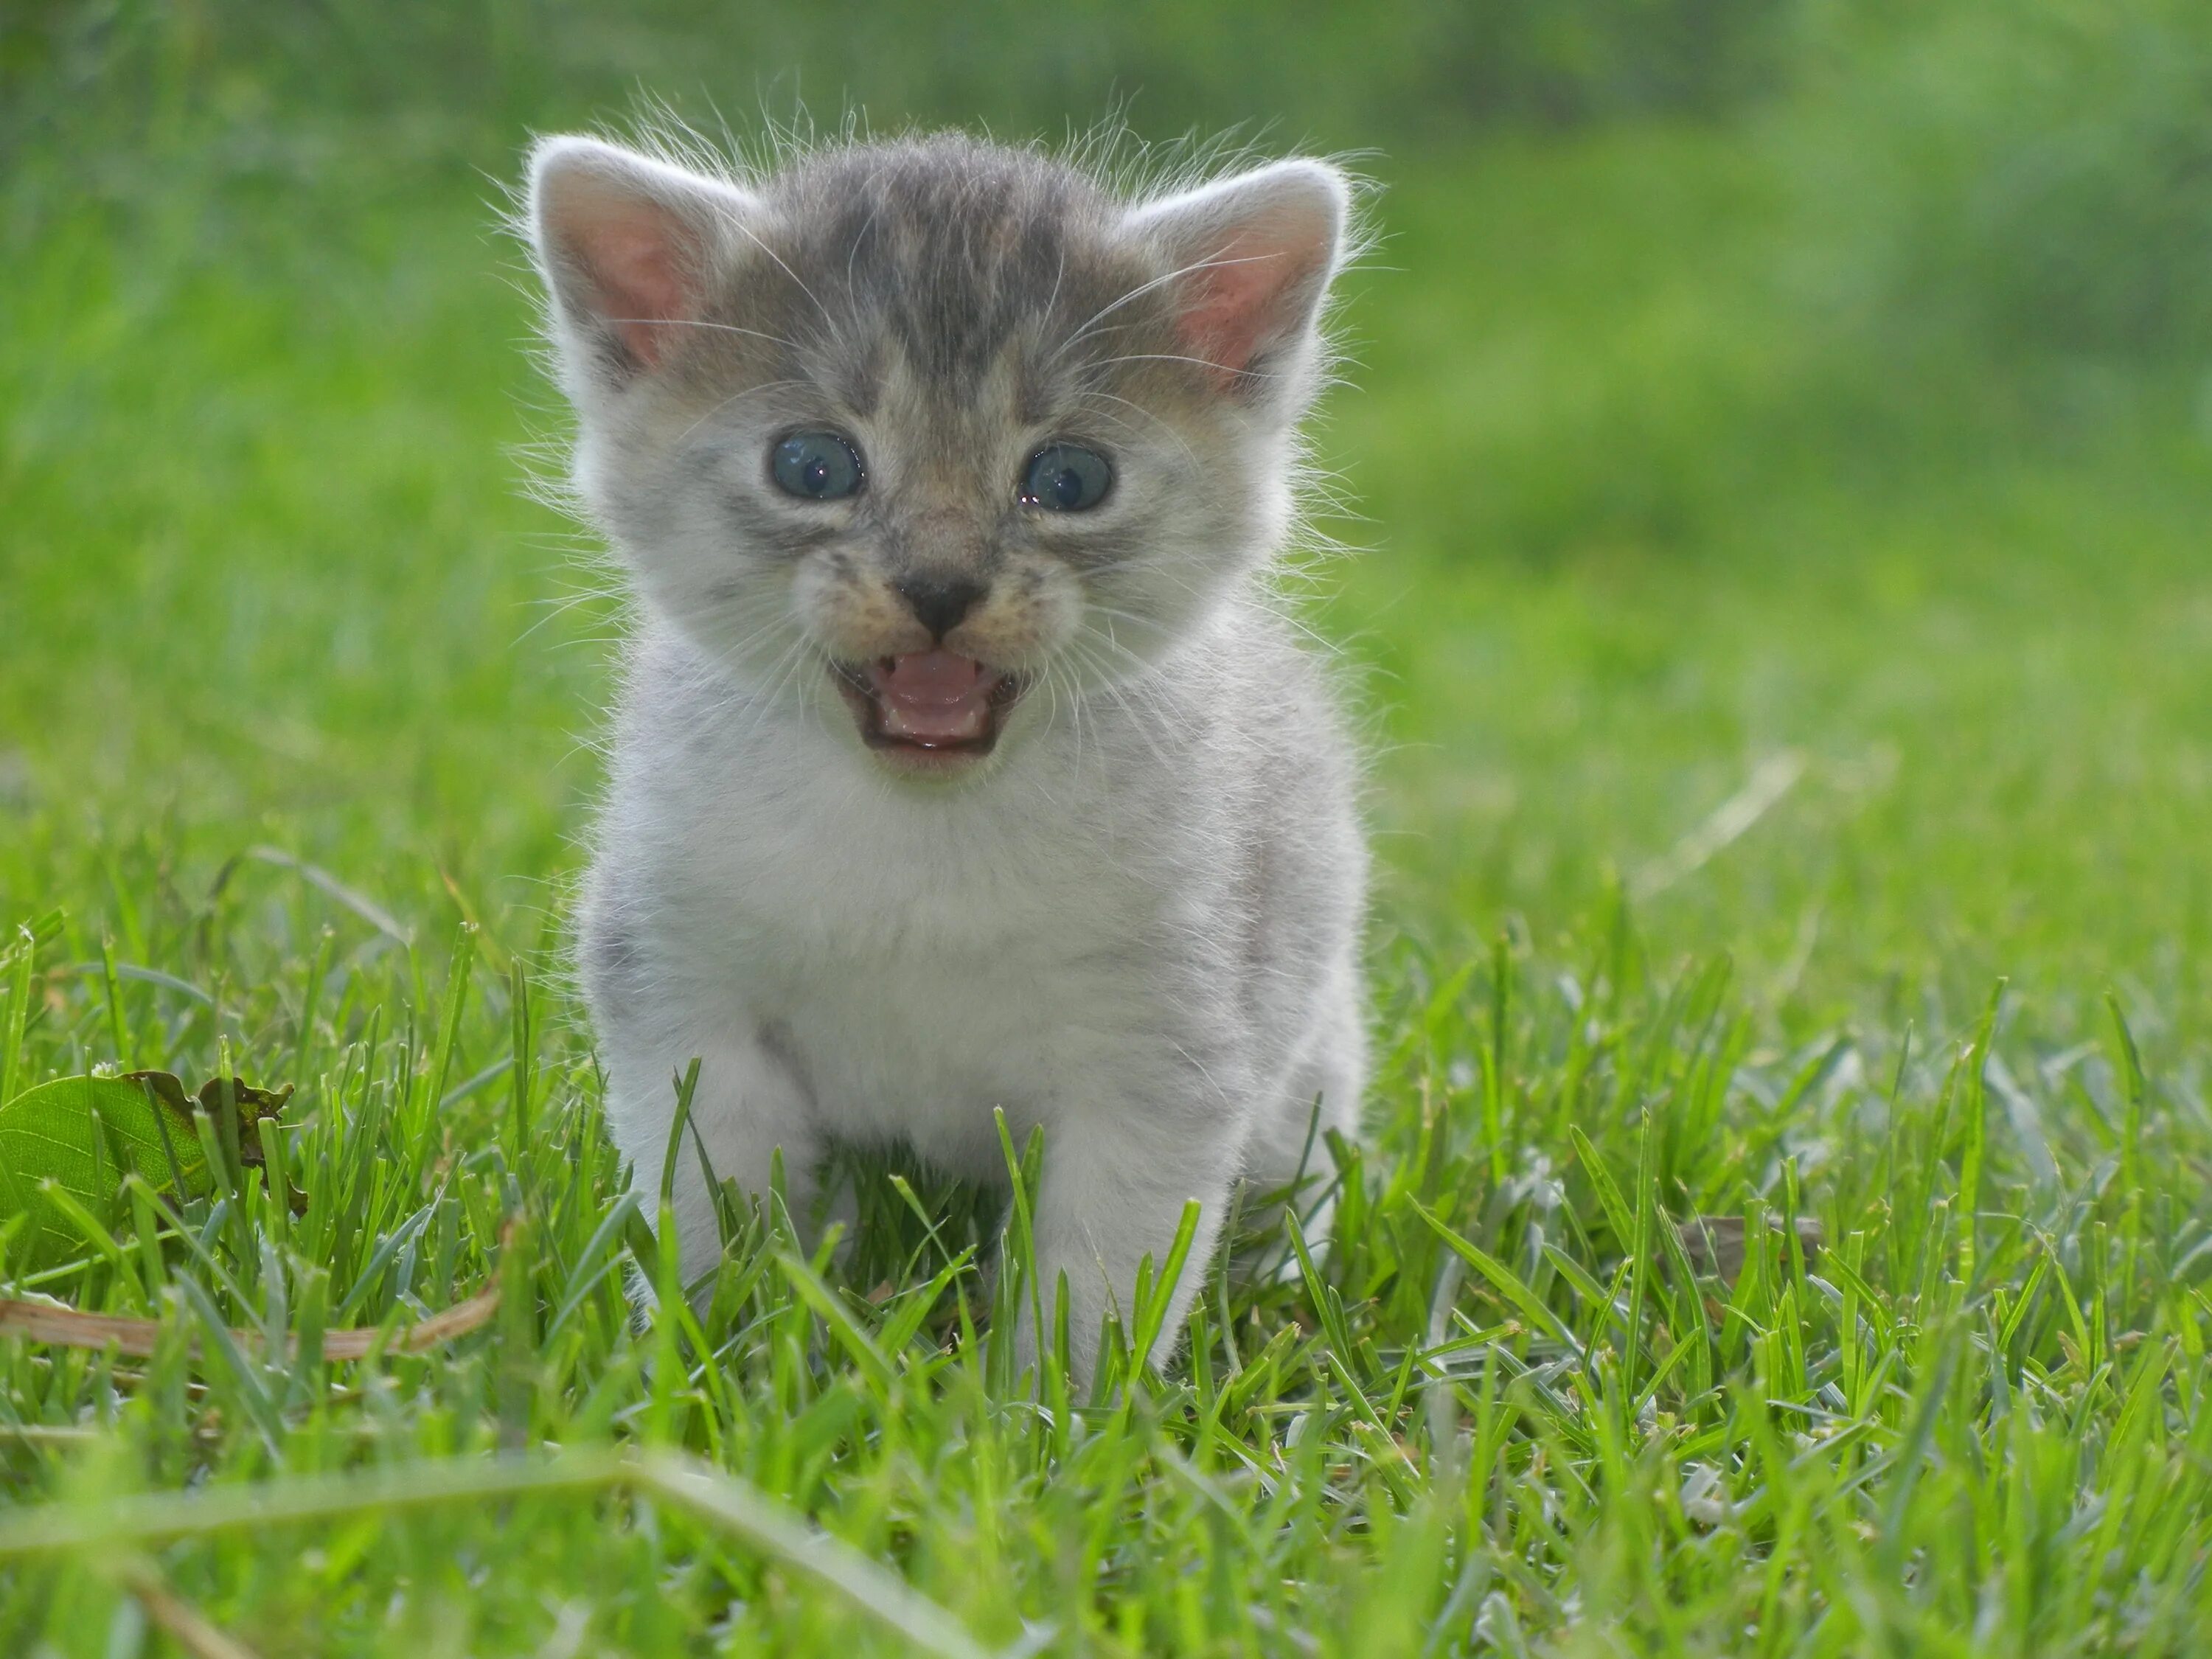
(1067, 478)
(816, 466)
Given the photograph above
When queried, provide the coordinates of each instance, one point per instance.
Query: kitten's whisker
(1145, 624)
(742, 648)
(753, 237)
(1060, 271)
(735, 396)
(1081, 647)
(719, 328)
(1175, 357)
(1127, 562)
(1083, 329)
(559, 606)
(1096, 637)
(1180, 442)
(1047, 681)
(762, 699)
(795, 662)
(867, 228)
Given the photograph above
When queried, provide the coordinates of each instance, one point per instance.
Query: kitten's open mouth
(930, 705)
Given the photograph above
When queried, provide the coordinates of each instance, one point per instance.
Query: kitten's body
(1134, 920)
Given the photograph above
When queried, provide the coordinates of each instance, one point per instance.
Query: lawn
(1792, 785)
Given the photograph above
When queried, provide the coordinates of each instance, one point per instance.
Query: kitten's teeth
(934, 696)
(963, 726)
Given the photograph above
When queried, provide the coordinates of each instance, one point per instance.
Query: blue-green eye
(1067, 478)
(816, 466)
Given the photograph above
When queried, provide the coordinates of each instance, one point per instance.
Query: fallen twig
(176, 1618)
(69, 1327)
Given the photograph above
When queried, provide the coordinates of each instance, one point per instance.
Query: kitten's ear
(627, 245)
(1253, 255)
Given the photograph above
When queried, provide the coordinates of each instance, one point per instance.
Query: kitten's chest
(889, 890)
(922, 964)
(797, 841)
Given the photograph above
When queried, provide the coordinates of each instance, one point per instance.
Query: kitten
(961, 760)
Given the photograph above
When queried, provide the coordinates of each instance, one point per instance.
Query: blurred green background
(1780, 450)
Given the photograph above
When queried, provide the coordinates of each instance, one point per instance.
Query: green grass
(1647, 532)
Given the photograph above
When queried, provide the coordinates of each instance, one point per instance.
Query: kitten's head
(911, 431)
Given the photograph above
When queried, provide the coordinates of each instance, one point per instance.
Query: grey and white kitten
(961, 759)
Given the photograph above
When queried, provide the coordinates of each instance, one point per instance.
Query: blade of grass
(1504, 1280)
(1977, 1130)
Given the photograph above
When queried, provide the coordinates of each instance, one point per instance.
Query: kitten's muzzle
(931, 709)
(939, 602)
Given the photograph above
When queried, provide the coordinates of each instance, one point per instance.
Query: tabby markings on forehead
(857, 379)
(953, 254)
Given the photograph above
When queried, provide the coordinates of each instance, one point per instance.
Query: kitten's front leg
(1112, 1191)
(746, 1107)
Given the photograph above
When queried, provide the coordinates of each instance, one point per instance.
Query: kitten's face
(933, 438)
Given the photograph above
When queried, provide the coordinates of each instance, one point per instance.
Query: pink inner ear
(643, 289)
(1235, 303)
(633, 254)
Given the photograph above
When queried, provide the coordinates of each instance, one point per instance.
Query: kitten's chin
(927, 714)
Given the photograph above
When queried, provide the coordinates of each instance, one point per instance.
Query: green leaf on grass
(80, 1136)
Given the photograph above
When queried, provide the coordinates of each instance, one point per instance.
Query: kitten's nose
(939, 602)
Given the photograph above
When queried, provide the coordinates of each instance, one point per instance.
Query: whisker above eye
(719, 328)
(1190, 455)
(1083, 330)
(1177, 357)
(734, 397)
(754, 237)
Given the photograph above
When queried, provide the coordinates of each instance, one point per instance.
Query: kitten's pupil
(817, 466)
(1067, 478)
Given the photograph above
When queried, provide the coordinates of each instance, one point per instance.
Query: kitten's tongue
(933, 696)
